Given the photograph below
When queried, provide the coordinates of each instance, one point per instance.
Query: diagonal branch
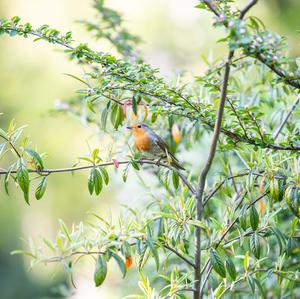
(285, 120)
(247, 8)
(179, 255)
(290, 80)
(12, 145)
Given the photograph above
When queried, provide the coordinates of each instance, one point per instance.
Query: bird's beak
(129, 128)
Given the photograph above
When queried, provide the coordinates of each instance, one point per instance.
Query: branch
(293, 81)
(105, 60)
(231, 225)
(272, 271)
(12, 145)
(204, 173)
(213, 192)
(289, 80)
(210, 4)
(238, 117)
(247, 8)
(61, 258)
(286, 117)
(47, 171)
(179, 255)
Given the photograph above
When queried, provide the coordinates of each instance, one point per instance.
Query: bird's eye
(139, 126)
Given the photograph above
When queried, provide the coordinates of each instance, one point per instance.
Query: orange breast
(142, 142)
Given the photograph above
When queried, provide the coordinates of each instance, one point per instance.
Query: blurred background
(175, 37)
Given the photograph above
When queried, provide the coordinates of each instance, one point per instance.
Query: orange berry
(128, 262)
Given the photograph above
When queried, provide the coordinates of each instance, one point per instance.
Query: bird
(146, 140)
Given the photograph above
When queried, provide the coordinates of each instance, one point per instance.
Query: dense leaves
(249, 235)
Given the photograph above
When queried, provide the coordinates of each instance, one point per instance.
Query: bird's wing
(163, 145)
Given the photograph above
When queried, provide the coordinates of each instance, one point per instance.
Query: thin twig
(293, 81)
(61, 258)
(231, 225)
(237, 218)
(12, 145)
(272, 271)
(257, 126)
(214, 191)
(238, 117)
(247, 8)
(179, 255)
(283, 123)
(211, 5)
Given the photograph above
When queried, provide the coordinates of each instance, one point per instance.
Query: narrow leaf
(254, 218)
(41, 188)
(217, 263)
(153, 251)
(120, 263)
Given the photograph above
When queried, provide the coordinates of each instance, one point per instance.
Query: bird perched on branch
(146, 140)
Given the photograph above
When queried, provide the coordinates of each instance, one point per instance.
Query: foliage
(238, 225)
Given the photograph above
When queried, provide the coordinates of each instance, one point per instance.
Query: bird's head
(138, 129)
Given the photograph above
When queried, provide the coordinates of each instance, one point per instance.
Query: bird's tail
(174, 162)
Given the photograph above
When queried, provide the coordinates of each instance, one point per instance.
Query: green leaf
(64, 229)
(219, 290)
(217, 263)
(104, 116)
(120, 263)
(243, 218)
(255, 245)
(49, 244)
(135, 165)
(125, 173)
(280, 238)
(41, 188)
(98, 183)
(77, 78)
(100, 270)
(6, 180)
(200, 6)
(95, 153)
(260, 288)
(116, 116)
(254, 218)
(91, 182)
(175, 179)
(229, 265)
(251, 284)
(153, 117)
(153, 251)
(23, 180)
(246, 261)
(134, 105)
(90, 103)
(36, 157)
(105, 175)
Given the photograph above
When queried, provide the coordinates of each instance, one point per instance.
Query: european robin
(146, 140)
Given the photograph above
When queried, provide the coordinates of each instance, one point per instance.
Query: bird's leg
(159, 160)
(169, 159)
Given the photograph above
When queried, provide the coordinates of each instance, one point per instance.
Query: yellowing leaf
(261, 206)
(176, 133)
(145, 112)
